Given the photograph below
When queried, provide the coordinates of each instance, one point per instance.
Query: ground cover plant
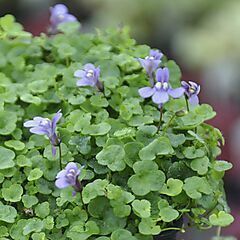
(100, 139)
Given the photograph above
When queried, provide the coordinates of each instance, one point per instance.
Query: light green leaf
(200, 165)
(196, 186)
(6, 158)
(221, 219)
(173, 187)
(35, 174)
(7, 213)
(13, 193)
(142, 208)
(160, 146)
(113, 157)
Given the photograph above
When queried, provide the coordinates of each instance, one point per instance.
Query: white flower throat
(160, 85)
(90, 73)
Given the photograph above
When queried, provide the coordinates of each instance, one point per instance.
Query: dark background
(201, 35)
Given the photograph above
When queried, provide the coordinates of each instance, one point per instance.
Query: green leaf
(221, 219)
(148, 226)
(176, 139)
(196, 186)
(15, 144)
(168, 214)
(129, 107)
(132, 149)
(173, 187)
(94, 189)
(35, 174)
(112, 156)
(42, 210)
(175, 73)
(33, 225)
(13, 193)
(122, 234)
(222, 166)
(7, 213)
(6, 158)
(160, 146)
(142, 208)
(7, 122)
(200, 165)
(98, 101)
(29, 201)
(39, 86)
(82, 231)
(97, 129)
(39, 236)
(193, 152)
(29, 98)
(147, 178)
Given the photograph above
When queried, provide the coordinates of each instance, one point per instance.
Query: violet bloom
(59, 14)
(192, 90)
(89, 76)
(161, 90)
(69, 177)
(45, 126)
(151, 63)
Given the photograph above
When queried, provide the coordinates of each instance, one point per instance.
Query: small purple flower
(161, 90)
(59, 14)
(69, 177)
(192, 90)
(45, 126)
(151, 63)
(89, 76)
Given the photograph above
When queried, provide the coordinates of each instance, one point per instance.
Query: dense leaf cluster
(137, 180)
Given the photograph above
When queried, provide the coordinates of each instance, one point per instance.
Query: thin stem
(218, 232)
(187, 104)
(169, 122)
(60, 156)
(160, 118)
(173, 228)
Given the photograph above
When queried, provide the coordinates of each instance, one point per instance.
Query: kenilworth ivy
(141, 172)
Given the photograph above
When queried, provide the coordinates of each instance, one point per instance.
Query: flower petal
(61, 183)
(194, 100)
(146, 92)
(79, 73)
(61, 174)
(31, 123)
(85, 82)
(55, 119)
(165, 74)
(39, 131)
(71, 165)
(177, 92)
(160, 97)
(159, 75)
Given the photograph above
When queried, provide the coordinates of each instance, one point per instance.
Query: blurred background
(203, 37)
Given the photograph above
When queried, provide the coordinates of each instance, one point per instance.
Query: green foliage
(137, 180)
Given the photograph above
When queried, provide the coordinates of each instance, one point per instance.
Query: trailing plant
(100, 140)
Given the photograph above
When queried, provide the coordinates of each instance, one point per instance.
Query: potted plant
(101, 140)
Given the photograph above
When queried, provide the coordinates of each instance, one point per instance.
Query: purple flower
(151, 62)
(89, 76)
(69, 177)
(59, 14)
(192, 90)
(161, 90)
(45, 126)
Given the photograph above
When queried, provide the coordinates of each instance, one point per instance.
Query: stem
(187, 104)
(60, 156)
(218, 232)
(169, 122)
(160, 118)
(173, 228)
